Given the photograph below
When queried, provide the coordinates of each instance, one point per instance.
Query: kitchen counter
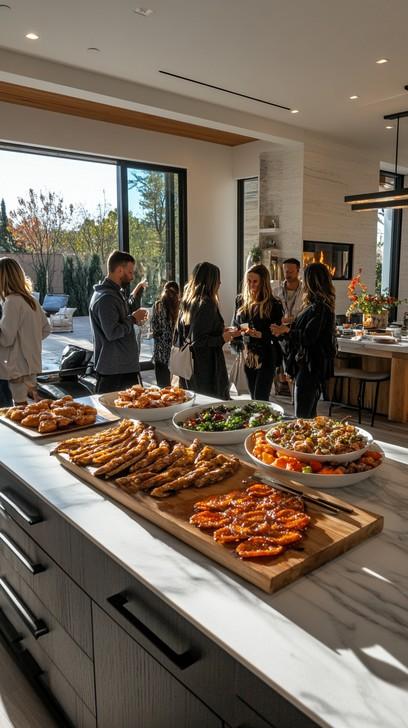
(334, 643)
(393, 400)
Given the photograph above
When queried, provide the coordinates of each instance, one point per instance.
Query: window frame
(122, 165)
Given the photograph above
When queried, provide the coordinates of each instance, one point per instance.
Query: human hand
(231, 333)
(140, 286)
(277, 330)
(140, 316)
(254, 333)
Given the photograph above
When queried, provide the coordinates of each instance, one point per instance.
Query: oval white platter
(314, 480)
(346, 457)
(148, 414)
(229, 437)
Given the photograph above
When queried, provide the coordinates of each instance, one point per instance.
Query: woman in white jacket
(23, 326)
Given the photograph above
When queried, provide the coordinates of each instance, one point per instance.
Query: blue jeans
(5, 394)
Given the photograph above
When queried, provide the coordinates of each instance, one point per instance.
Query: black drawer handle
(182, 660)
(14, 548)
(36, 626)
(8, 499)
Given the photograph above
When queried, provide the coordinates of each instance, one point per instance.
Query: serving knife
(334, 508)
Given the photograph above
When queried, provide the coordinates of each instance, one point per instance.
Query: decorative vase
(375, 320)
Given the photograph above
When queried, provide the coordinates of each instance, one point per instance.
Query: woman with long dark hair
(256, 308)
(312, 339)
(200, 322)
(164, 319)
(23, 325)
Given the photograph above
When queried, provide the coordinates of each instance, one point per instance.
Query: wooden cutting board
(328, 536)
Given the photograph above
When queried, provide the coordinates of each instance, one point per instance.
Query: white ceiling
(306, 54)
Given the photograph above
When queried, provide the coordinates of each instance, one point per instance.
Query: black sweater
(206, 330)
(312, 342)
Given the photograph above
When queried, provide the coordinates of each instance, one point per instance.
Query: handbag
(237, 374)
(181, 360)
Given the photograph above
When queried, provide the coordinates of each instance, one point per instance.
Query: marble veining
(334, 643)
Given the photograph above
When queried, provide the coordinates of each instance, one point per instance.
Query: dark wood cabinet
(134, 691)
(113, 653)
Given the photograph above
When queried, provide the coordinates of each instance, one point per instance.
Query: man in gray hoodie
(112, 318)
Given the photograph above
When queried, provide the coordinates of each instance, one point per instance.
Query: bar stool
(349, 373)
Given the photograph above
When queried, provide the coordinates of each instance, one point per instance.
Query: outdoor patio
(54, 344)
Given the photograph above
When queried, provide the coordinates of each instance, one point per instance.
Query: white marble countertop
(334, 643)
(370, 348)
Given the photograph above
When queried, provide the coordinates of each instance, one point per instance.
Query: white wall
(330, 173)
(210, 185)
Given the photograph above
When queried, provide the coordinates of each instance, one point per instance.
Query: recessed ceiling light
(294, 111)
(382, 60)
(145, 12)
(93, 49)
(32, 36)
(389, 127)
(353, 98)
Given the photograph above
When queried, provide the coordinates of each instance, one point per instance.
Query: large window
(247, 222)
(62, 214)
(389, 238)
(154, 223)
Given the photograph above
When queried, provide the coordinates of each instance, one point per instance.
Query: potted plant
(254, 257)
(374, 306)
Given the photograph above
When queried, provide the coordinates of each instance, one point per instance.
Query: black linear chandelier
(391, 198)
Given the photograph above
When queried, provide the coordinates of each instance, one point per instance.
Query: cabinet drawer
(42, 523)
(173, 641)
(32, 619)
(133, 689)
(53, 680)
(62, 597)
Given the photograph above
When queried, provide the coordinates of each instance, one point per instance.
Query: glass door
(153, 223)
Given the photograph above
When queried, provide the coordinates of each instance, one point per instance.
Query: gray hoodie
(115, 346)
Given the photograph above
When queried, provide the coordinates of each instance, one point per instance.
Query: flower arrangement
(367, 303)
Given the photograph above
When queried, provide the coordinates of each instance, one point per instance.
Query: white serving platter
(148, 414)
(314, 480)
(346, 457)
(229, 437)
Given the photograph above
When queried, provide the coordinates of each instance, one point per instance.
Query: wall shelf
(269, 230)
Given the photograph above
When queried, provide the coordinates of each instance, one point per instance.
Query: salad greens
(224, 419)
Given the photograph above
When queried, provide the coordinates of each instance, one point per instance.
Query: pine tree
(7, 244)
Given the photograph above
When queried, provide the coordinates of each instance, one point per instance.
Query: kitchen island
(393, 399)
(145, 631)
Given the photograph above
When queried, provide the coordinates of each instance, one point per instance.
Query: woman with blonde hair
(256, 308)
(200, 322)
(23, 325)
(312, 339)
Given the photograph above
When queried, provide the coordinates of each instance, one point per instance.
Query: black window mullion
(240, 231)
(123, 206)
(182, 205)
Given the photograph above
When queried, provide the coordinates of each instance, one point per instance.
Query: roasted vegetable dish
(318, 436)
(264, 451)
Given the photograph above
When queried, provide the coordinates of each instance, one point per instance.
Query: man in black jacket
(112, 318)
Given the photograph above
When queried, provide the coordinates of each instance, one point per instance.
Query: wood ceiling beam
(62, 104)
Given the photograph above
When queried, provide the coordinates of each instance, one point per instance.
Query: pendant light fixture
(390, 198)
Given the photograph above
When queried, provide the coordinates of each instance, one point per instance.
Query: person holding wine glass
(256, 308)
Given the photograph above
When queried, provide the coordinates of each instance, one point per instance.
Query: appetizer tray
(106, 418)
(329, 535)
